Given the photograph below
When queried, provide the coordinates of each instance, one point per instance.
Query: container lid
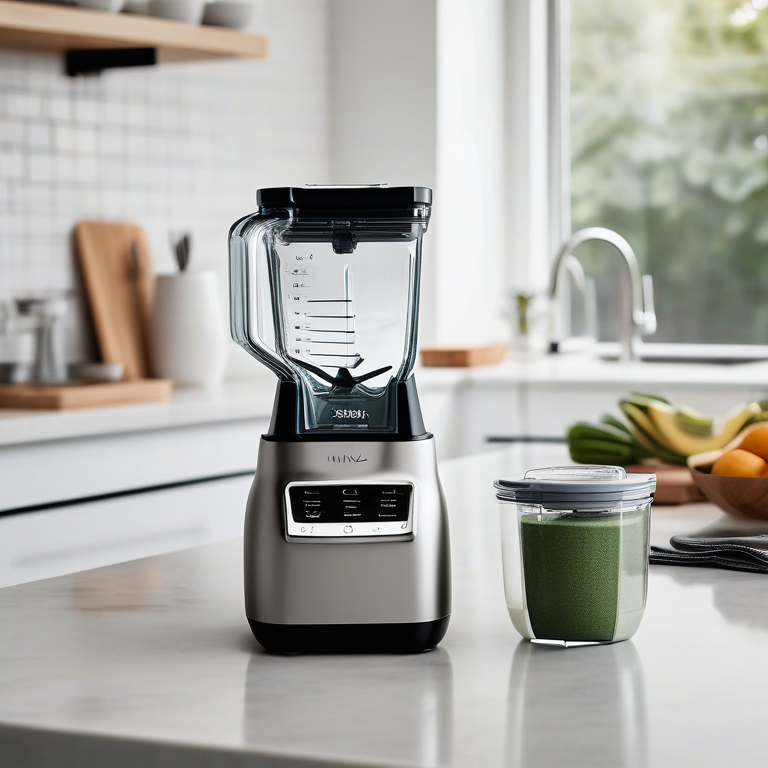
(576, 487)
(347, 199)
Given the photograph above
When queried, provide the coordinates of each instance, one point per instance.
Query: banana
(645, 433)
(664, 418)
(661, 423)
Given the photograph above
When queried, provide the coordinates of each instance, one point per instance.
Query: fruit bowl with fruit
(736, 476)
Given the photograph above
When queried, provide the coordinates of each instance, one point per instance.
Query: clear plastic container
(575, 552)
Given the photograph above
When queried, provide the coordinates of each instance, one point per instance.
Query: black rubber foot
(350, 638)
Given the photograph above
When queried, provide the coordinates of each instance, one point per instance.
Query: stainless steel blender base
(359, 593)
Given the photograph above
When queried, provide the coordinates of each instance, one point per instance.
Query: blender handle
(244, 300)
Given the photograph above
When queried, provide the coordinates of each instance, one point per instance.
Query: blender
(346, 533)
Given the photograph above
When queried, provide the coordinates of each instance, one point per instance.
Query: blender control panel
(346, 511)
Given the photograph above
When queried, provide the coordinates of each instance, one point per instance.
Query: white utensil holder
(186, 332)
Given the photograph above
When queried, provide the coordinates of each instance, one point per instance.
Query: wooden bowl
(742, 496)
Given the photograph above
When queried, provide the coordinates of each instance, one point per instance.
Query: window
(669, 147)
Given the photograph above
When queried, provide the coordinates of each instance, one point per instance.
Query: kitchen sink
(714, 354)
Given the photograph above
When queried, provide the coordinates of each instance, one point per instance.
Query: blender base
(288, 639)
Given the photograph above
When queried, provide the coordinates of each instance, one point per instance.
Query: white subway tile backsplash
(135, 144)
(65, 138)
(110, 142)
(21, 104)
(172, 147)
(11, 131)
(41, 168)
(135, 115)
(87, 169)
(86, 139)
(59, 108)
(38, 134)
(112, 112)
(11, 164)
(86, 111)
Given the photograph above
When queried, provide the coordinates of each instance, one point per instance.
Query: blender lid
(345, 198)
(575, 486)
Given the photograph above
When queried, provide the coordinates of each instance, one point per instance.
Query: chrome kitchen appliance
(346, 535)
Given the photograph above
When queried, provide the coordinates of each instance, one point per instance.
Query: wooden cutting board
(462, 358)
(71, 396)
(674, 484)
(117, 272)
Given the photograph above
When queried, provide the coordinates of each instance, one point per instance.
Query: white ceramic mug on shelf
(186, 335)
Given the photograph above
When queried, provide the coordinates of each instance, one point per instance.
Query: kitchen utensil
(223, 13)
(575, 552)
(742, 496)
(50, 365)
(96, 373)
(188, 11)
(187, 338)
(182, 250)
(463, 358)
(118, 278)
(71, 396)
(346, 538)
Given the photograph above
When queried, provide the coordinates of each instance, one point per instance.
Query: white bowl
(110, 6)
(189, 11)
(228, 13)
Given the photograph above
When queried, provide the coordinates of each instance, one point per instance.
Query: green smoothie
(582, 571)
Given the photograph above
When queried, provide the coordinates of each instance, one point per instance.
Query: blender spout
(343, 241)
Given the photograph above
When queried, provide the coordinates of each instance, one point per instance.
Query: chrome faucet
(638, 316)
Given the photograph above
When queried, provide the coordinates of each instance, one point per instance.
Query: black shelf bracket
(90, 62)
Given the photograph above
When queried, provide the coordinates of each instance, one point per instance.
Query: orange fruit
(757, 442)
(739, 463)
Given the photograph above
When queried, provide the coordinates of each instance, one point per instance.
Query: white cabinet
(61, 470)
(66, 539)
(71, 504)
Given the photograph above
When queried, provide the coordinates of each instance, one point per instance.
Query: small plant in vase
(525, 315)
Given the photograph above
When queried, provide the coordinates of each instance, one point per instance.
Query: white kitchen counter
(253, 398)
(243, 399)
(151, 662)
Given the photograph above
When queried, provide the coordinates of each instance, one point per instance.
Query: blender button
(303, 530)
(404, 526)
(348, 529)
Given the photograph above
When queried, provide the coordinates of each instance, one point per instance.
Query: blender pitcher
(325, 285)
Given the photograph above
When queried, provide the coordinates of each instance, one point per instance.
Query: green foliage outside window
(669, 141)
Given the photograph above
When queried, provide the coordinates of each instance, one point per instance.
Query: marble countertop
(151, 662)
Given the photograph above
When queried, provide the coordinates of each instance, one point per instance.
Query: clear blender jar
(324, 287)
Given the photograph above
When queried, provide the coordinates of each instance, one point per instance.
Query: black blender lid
(344, 197)
(576, 486)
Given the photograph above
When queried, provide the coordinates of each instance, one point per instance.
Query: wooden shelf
(52, 28)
